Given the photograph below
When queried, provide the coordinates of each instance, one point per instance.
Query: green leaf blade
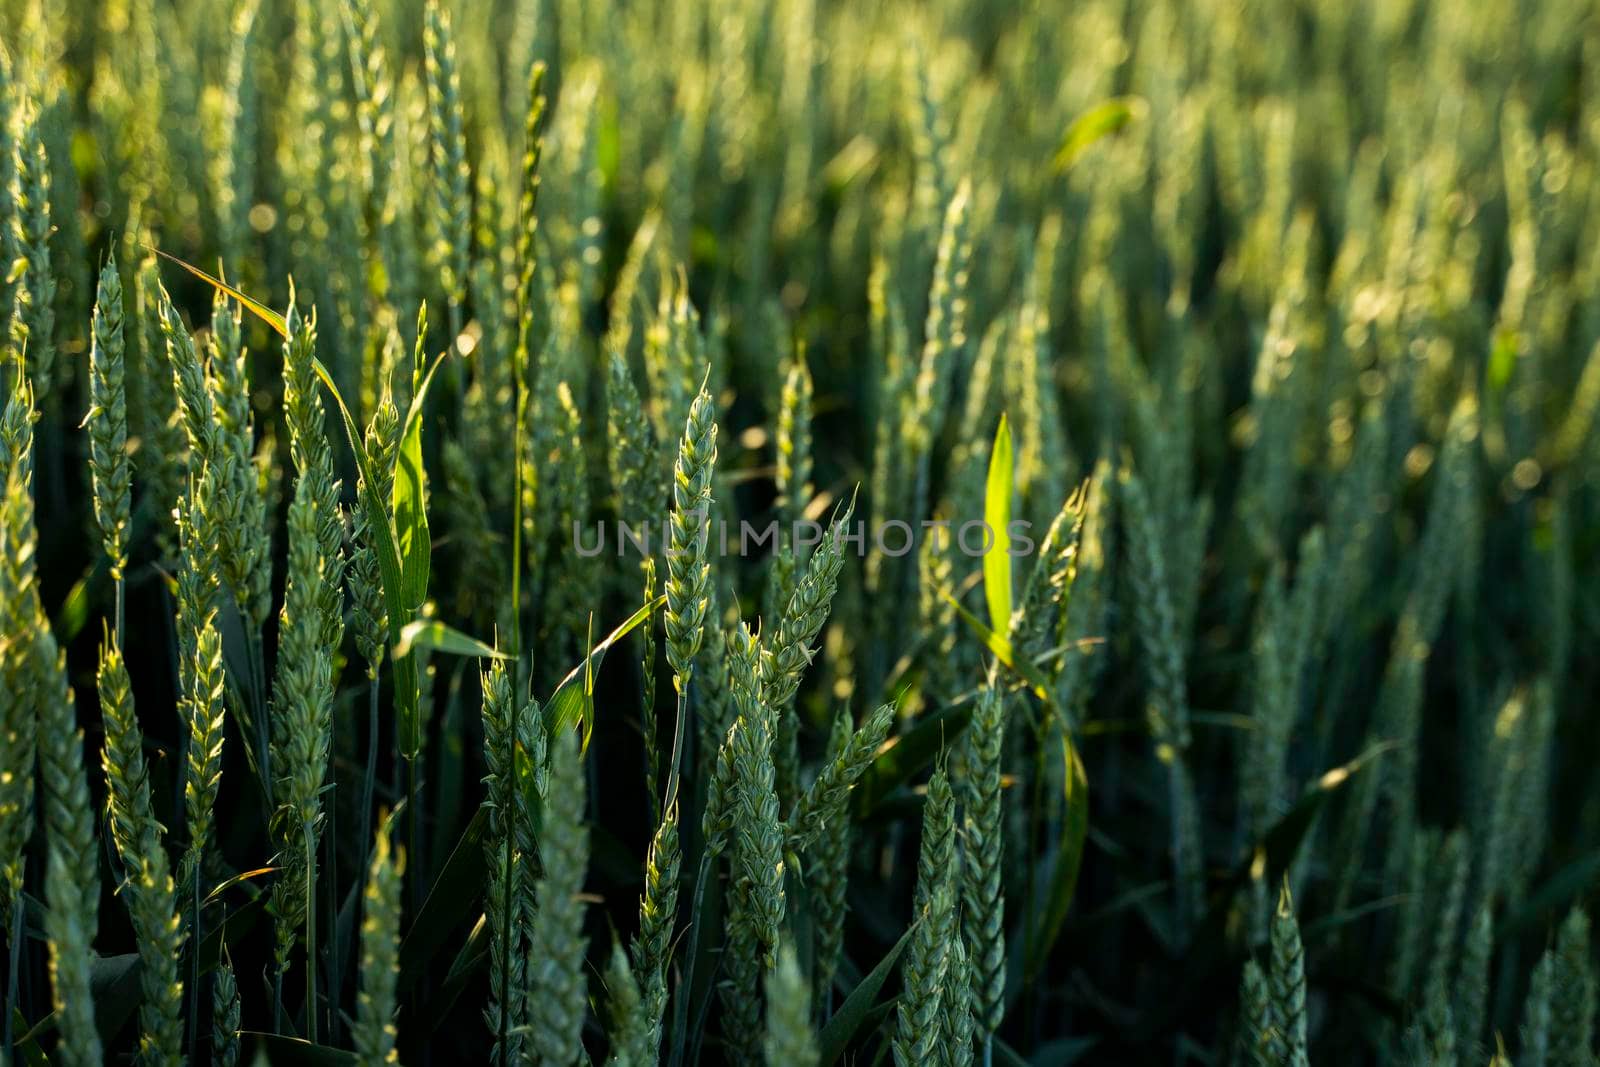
(835, 1036)
(1069, 859)
(997, 517)
(250, 304)
(435, 636)
(1002, 650)
(1102, 120)
(572, 702)
(411, 519)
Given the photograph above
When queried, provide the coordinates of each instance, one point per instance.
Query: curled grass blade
(238, 879)
(573, 699)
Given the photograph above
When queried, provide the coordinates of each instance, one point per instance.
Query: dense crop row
(1263, 336)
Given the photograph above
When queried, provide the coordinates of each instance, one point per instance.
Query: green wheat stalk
(557, 985)
(789, 1040)
(149, 892)
(982, 893)
(508, 988)
(225, 1016)
(32, 327)
(794, 439)
(450, 179)
(917, 1021)
(688, 570)
(109, 467)
(652, 948)
(374, 1033)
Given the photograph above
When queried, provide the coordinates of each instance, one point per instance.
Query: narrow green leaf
(74, 612)
(474, 953)
(1007, 1056)
(1330, 925)
(1272, 854)
(700, 961)
(114, 982)
(238, 879)
(239, 922)
(1212, 954)
(453, 896)
(411, 519)
(588, 687)
(27, 1049)
(1502, 360)
(279, 1049)
(997, 516)
(835, 1036)
(436, 636)
(1001, 648)
(407, 682)
(250, 304)
(572, 701)
(410, 503)
(1069, 857)
(1282, 841)
(1549, 901)
(1102, 120)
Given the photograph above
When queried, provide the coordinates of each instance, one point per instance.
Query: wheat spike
(149, 893)
(374, 1033)
(789, 1040)
(557, 986)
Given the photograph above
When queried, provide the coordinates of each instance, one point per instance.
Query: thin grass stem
(335, 968)
(311, 934)
(673, 769)
(196, 935)
(14, 936)
(371, 777)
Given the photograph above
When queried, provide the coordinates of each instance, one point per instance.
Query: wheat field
(799, 533)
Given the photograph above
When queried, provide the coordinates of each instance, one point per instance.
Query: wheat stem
(309, 831)
(14, 949)
(331, 882)
(675, 760)
(197, 938)
(371, 776)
